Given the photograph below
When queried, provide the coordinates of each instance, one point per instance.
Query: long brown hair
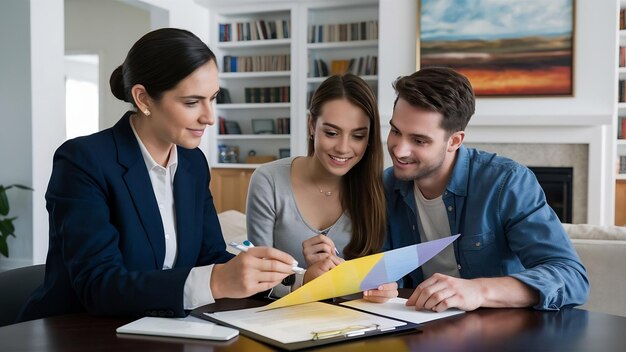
(362, 186)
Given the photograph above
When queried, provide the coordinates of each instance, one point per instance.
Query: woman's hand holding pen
(382, 293)
(256, 270)
(318, 248)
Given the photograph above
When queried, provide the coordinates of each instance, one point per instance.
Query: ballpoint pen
(247, 244)
(325, 233)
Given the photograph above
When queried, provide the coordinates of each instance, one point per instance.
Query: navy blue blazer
(106, 246)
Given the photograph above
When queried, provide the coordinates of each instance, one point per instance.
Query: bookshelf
(621, 105)
(248, 61)
(339, 37)
(255, 50)
(620, 133)
(351, 33)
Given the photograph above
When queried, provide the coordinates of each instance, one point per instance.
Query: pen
(325, 233)
(247, 244)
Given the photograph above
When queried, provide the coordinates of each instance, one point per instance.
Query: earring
(146, 112)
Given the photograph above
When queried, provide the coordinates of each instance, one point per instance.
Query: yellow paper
(345, 279)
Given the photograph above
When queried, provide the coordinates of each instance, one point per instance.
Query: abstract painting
(504, 47)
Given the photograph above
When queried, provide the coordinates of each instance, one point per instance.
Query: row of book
(621, 164)
(267, 94)
(323, 33)
(362, 66)
(622, 19)
(254, 30)
(621, 91)
(258, 63)
(258, 126)
(621, 127)
(283, 126)
(622, 56)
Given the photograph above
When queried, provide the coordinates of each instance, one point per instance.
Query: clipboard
(318, 337)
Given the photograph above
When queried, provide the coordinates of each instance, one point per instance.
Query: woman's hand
(257, 270)
(321, 267)
(318, 248)
(381, 294)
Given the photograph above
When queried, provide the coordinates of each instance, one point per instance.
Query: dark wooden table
(481, 330)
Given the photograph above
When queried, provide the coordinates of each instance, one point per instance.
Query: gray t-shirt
(273, 218)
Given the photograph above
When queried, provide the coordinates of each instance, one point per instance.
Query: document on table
(305, 322)
(396, 308)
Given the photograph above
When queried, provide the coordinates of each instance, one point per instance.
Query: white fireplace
(575, 156)
(587, 148)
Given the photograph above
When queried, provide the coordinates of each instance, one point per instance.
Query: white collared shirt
(162, 179)
(197, 290)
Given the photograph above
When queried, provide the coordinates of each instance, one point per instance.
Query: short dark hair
(442, 90)
(158, 61)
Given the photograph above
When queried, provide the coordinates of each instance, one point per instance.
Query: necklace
(327, 193)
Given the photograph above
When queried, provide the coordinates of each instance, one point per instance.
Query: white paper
(300, 322)
(396, 308)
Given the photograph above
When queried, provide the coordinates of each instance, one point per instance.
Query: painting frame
(503, 61)
(284, 153)
(263, 126)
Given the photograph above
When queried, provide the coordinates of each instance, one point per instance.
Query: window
(81, 95)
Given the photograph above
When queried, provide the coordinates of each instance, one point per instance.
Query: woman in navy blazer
(133, 229)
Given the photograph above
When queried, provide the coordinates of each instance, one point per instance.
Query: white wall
(109, 29)
(15, 119)
(588, 117)
(32, 119)
(48, 107)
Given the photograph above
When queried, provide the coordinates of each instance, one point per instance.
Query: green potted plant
(6, 223)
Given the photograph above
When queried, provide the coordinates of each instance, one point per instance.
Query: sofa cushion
(602, 250)
(593, 232)
(605, 262)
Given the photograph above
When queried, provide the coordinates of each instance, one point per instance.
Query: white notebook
(189, 327)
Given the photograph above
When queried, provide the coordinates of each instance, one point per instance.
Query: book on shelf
(254, 30)
(223, 96)
(228, 126)
(622, 56)
(344, 32)
(221, 125)
(267, 94)
(257, 63)
(282, 124)
(622, 164)
(361, 66)
(621, 127)
(231, 127)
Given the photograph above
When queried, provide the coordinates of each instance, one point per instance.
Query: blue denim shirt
(506, 227)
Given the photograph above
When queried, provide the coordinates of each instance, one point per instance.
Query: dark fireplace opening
(557, 185)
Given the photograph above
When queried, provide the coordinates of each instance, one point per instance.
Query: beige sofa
(601, 249)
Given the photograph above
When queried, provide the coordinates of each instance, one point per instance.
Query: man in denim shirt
(513, 250)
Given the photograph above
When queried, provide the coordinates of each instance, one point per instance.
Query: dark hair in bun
(158, 61)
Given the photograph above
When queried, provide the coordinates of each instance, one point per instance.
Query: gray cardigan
(273, 218)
